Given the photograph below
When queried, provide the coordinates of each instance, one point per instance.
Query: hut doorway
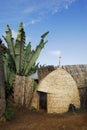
(42, 101)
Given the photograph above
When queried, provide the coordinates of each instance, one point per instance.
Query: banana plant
(20, 58)
(3, 49)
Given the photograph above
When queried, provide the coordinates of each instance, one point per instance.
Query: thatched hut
(79, 74)
(56, 92)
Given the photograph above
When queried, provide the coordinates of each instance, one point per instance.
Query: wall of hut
(23, 90)
(59, 103)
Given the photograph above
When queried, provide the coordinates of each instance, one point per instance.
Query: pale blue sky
(66, 20)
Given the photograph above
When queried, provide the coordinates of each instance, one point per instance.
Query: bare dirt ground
(28, 120)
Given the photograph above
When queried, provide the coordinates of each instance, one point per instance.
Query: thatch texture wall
(44, 71)
(23, 90)
(61, 91)
(79, 73)
(35, 101)
(2, 87)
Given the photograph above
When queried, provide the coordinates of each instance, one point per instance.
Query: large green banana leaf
(19, 49)
(34, 56)
(10, 41)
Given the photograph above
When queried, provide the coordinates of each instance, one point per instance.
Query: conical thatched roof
(78, 72)
(56, 81)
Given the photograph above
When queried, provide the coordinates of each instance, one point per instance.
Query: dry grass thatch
(61, 91)
(44, 71)
(79, 74)
(23, 90)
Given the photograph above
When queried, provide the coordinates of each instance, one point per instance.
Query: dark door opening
(42, 101)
